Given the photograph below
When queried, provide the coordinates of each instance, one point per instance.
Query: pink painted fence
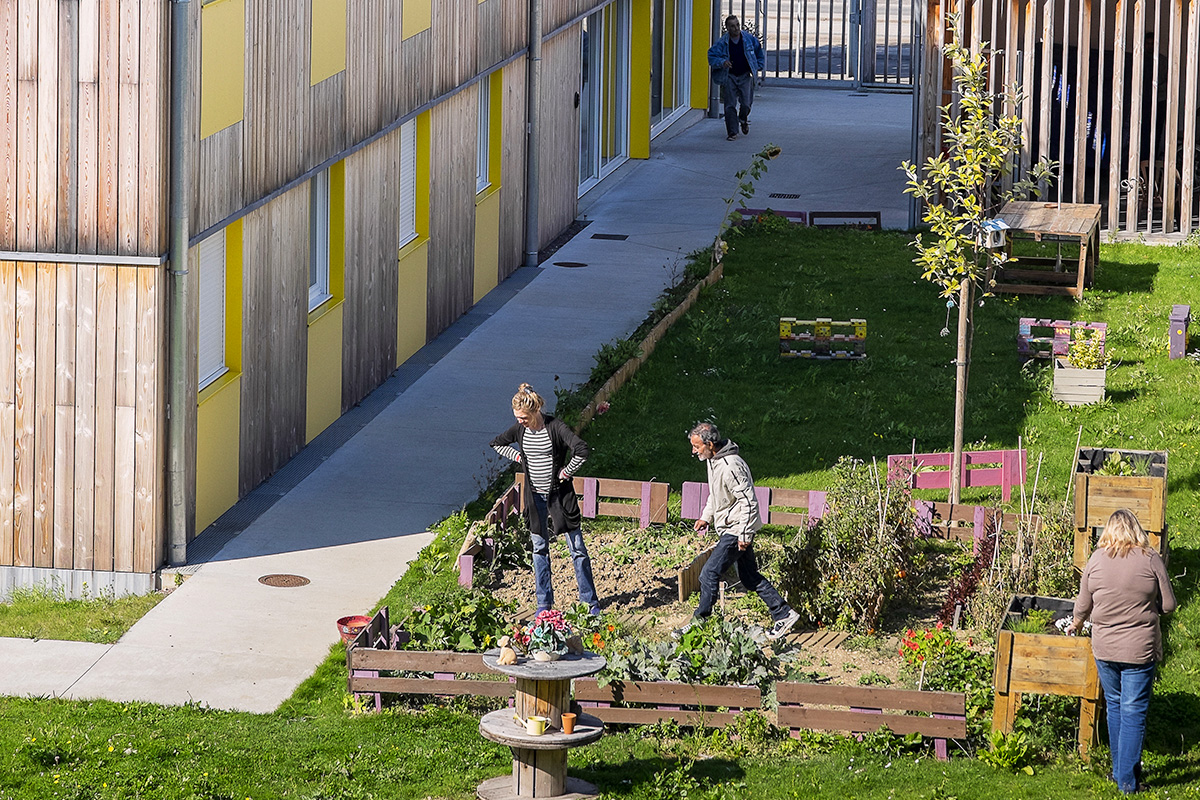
(1003, 468)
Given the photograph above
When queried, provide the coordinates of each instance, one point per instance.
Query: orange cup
(568, 723)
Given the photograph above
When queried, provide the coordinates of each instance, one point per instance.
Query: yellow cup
(536, 726)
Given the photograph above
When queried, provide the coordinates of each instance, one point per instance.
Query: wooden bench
(686, 703)
(601, 497)
(797, 217)
(1003, 468)
(860, 220)
(853, 709)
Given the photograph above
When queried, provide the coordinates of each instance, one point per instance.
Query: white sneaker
(783, 626)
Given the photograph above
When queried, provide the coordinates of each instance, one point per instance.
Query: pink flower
(603, 407)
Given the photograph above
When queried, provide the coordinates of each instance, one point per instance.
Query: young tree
(961, 189)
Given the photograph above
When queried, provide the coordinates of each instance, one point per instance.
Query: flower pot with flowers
(1079, 378)
(546, 636)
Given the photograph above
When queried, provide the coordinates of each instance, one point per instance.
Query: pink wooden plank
(645, 521)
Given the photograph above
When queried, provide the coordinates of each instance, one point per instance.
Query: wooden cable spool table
(540, 761)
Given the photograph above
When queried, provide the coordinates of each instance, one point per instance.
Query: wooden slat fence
(801, 705)
(969, 523)
(1003, 468)
(855, 709)
(1110, 90)
(685, 703)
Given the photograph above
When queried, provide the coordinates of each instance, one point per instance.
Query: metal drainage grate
(571, 264)
(284, 581)
(614, 237)
(784, 196)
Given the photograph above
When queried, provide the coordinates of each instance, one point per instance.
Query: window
(408, 182)
(211, 257)
(318, 240)
(485, 132)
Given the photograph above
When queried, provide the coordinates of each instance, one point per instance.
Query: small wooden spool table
(540, 762)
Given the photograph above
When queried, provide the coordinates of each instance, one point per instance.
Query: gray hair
(707, 432)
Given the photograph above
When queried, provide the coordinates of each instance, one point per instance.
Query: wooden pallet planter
(645, 703)
(371, 653)
(816, 339)
(794, 507)
(967, 523)
(1075, 386)
(748, 215)
(858, 220)
(812, 706)
(1044, 664)
(1003, 468)
(1050, 338)
(1177, 331)
(1098, 496)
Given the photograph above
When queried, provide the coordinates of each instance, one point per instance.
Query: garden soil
(639, 586)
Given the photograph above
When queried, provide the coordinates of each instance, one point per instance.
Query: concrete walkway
(353, 509)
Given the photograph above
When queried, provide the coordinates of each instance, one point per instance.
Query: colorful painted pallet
(1046, 338)
(816, 338)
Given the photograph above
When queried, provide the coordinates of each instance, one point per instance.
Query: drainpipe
(714, 100)
(533, 103)
(179, 311)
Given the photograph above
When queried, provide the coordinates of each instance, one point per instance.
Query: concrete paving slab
(44, 667)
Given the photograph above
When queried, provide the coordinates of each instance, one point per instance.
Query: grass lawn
(793, 419)
(42, 613)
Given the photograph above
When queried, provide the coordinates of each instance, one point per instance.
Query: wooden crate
(1077, 387)
(1098, 496)
(1044, 664)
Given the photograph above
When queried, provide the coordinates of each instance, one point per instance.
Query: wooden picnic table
(1075, 223)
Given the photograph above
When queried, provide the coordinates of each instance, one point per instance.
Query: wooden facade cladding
(81, 483)
(1127, 133)
(83, 111)
(559, 184)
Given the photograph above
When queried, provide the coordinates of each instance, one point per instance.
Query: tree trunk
(960, 390)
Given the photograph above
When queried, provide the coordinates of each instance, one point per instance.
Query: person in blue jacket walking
(734, 59)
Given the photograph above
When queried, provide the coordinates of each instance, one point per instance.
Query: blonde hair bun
(527, 400)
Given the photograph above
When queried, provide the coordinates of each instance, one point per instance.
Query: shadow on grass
(675, 778)
(1114, 276)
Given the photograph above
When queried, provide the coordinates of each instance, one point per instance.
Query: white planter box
(1077, 387)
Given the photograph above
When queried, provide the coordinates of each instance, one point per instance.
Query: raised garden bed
(1098, 495)
(1077, 387)
(1044, 663)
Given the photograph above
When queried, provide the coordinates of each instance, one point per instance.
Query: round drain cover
(284, 581)
(571, 264)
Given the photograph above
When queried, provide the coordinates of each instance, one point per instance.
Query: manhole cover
(284, 581)
(571, 264)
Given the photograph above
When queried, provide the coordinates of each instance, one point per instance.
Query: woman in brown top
(1124, 590)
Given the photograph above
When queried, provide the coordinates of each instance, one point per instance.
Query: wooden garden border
(801, 705)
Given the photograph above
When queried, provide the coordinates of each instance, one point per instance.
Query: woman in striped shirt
(549, 452)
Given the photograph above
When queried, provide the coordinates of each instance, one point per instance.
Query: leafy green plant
(1036, 620)
(462, 620)
(940, 662)
(718, 651)
(847, 570)
(1012, 752)
(611, 357)
(746, 179)
(1086, 350)
(1124, 464)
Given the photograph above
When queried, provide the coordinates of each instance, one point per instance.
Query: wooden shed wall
(81, 416)
(1147, 173)
(83, 126)
(559, 177)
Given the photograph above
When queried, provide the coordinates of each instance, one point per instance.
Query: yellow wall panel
(324, 402)
(328, 39)
(222, 64)
(639, 90)
(487, 244)
(701, 25)
(412, 299)
(417, 16)
(218, 422)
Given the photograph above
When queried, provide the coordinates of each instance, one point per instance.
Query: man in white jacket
(732, 509)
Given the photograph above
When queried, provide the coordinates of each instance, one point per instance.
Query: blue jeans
(579, 557)
(1127, 689)
(724, 554)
